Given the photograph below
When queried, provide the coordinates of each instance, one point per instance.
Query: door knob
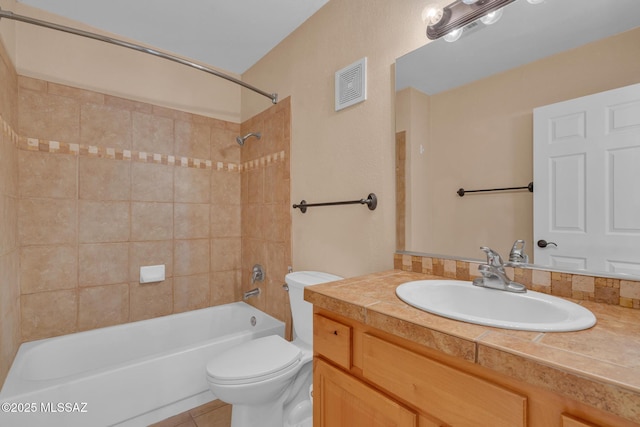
(544, 244)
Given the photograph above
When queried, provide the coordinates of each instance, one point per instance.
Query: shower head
(241, 139)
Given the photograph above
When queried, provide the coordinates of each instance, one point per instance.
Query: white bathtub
(127, 375)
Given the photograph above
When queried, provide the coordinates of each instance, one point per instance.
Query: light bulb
(469, 1)
(453, 35)
(432, 14)
(492, 18)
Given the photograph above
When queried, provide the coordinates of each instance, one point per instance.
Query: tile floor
(212, 414)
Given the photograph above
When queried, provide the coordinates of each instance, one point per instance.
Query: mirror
(464, 117)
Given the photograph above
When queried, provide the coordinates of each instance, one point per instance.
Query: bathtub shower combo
(128, 375)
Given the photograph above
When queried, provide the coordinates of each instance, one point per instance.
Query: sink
(530, 311)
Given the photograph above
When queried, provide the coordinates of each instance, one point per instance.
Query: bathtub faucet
(252, 293)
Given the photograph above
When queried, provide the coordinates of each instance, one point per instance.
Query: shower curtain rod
(10, 15)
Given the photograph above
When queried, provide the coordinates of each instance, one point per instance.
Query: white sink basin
(530, 311)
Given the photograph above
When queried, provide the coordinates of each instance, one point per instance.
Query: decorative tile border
(625, 293)
(47, 146)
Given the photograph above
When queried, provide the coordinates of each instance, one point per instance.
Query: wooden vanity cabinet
(364, 377)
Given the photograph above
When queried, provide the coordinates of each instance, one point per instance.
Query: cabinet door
(340, 400)
(570, 421)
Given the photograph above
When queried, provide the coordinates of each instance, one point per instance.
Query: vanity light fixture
(460, 13)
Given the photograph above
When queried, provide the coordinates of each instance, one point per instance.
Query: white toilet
(267, 380)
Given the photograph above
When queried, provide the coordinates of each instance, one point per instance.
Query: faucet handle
(493, 258)
(517, 252)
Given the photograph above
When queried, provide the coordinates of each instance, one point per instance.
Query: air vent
(351, 84)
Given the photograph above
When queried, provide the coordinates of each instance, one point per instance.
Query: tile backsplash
(625, 293)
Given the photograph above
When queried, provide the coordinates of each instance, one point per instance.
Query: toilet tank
(302, 311)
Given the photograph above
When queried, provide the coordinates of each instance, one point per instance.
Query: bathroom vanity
(381, 362)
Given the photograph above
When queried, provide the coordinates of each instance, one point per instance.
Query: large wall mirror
(464, 119)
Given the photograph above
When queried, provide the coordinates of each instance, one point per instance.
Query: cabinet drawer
(455, 397)
(333, 340)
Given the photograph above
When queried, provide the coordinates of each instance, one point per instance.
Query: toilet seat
(254, 361)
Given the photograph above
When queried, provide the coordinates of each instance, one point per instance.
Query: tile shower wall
(266, 207)
(108, 185)
(9, 250)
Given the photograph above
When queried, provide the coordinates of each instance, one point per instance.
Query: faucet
(257, 274)
(494, 276)
(252, 293)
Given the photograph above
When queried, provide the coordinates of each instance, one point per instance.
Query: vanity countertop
(599, 366)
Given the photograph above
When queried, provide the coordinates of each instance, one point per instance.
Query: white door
(587, 182)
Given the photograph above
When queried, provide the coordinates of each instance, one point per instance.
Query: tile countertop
(599, 366)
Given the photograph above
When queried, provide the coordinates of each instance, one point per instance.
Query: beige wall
(348, 154)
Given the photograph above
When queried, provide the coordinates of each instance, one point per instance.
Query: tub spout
(252, 293)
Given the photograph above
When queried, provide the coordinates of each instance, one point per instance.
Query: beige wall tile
(193, 140)
(224, 147)
(225, 287)
(225, 188)
(48, 268)
(47, 221)
(191, 221)
(47, 175)
(84, 96)
(105, 126)
(101, 222)
(9, 292)
(191, 257)
(150, 299)
(226, 254)
(49, 117)
(150, 253)
(276, 222)
(102, 306)
(226, 220)
(152, 134)
(151, 221)
(48, 314)
(191, 292)
(8, 223)
(8, 166)
(104, 179)
(276, 186)
(256, 186)
(151, 182)
(103, 264)
(191, 185)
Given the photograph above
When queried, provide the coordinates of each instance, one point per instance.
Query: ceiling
(228, 34)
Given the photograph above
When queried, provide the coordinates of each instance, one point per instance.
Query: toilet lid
(254, 360)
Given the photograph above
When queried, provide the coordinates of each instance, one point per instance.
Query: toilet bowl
(267, 380)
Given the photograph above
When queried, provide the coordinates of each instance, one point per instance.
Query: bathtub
(126, 375)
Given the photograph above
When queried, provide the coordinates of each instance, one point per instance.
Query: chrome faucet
(494, 276)
(252, 293)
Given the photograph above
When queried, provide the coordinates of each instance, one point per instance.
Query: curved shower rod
(10, 15)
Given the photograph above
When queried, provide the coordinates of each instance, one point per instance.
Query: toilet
(268, 380)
